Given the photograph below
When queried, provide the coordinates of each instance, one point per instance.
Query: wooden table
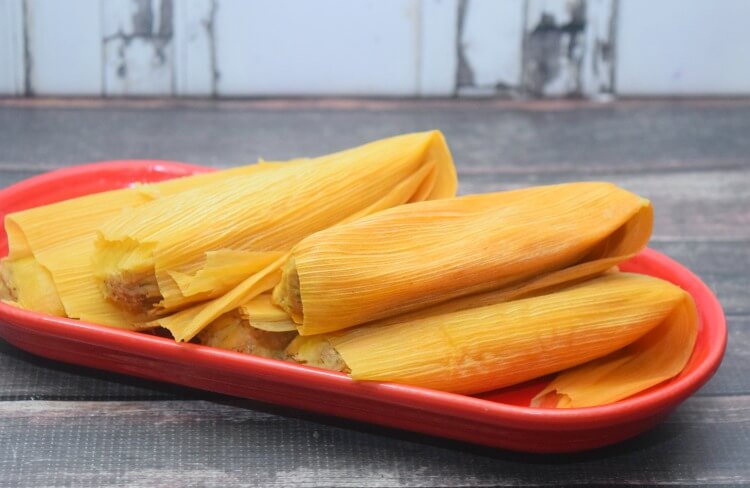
(66, 425)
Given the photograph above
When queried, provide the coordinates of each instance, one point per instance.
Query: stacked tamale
(365, 262)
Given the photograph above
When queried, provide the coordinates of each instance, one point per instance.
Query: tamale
(57, 240)
(165, 245)
(268, 214)
(416, 256)
(494, 346)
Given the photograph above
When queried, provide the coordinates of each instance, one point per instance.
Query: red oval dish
(497, 419)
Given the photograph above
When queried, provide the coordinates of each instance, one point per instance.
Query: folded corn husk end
(315, 351)
(261, 313)
(125, 271)
(494, 346)
(30, 286)
(656, 357)
(185, 324)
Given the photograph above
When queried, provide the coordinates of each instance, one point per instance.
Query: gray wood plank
(24, 376)
(732, 377)
(723, 266)
(573, 138)
(163, 443)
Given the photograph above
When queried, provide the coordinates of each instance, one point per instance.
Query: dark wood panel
(209, 444)
(723, 266)
(569, 139)
(24, 376)
(732, 378)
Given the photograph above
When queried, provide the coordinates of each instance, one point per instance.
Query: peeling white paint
(552, 52)
(194, 50)
(137, 52)
(491, 39)
(597, 76)
(535, 48)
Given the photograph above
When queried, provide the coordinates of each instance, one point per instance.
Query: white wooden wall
(519, 48)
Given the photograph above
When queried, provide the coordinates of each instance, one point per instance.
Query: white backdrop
(442, 48)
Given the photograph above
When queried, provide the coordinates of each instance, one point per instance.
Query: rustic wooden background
(62, 425)
(426, 48)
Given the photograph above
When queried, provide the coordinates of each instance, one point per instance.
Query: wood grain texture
(516, 144)
(163, 443)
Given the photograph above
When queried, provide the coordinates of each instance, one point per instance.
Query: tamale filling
(137, 294)
(316, 351)
(7, 290)
(288, 295)
(231, 332)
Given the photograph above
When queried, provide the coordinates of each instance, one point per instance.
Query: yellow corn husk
(494, 346)
(279, 211)
(659, 355)
(261, 313)
(412, 257)
(231, 332)
(38, 291)
(264, 213)
(60, 238)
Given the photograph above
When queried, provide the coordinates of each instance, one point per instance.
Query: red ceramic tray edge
(412, 408)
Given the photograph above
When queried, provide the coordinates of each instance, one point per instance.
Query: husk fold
(638, 331)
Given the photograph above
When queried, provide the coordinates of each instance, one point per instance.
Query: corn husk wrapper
(649, 325)
(277, 212)
(261, 313)
(52, 247)
(37, 291)
(416, 256)
(659, 355)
